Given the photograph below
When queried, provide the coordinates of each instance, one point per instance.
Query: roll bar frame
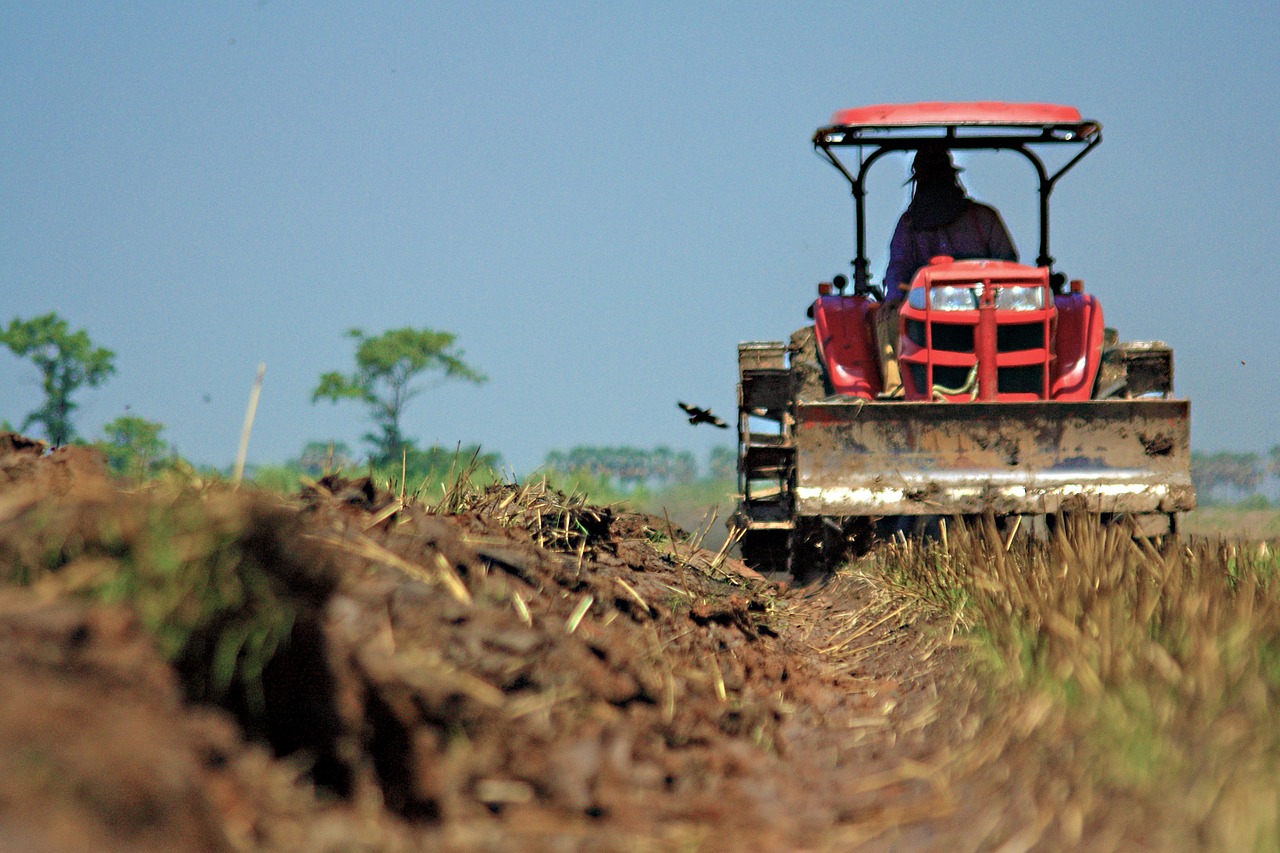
(890, 138)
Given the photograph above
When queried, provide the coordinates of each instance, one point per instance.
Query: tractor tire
(767, 551)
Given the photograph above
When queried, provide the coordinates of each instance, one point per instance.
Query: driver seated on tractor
(940, 220)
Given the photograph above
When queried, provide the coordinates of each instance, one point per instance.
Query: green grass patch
(217, 578)
(1234, 521)
(699, 506)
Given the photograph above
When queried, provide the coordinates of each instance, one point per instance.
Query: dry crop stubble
(1132, 689)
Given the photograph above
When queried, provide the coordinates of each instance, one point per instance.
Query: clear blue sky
(600, 199)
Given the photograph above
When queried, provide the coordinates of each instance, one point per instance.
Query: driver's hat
(933, 162)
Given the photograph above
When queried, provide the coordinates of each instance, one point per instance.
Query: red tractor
(1018, 400)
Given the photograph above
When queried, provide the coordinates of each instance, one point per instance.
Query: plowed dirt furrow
(189, 666)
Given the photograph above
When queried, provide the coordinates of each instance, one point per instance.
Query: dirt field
(190, 667)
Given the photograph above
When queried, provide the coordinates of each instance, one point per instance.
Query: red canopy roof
(944, 113)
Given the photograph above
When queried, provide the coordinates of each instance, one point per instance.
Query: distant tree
(436, 462)
(602, 462)
(1240, 472)
(1273, 462)
(627, 466)
(67, 361)
(320, 457)
(557, 460)
(387, 366)
(669, 466)
(723, 463)
(133, 446)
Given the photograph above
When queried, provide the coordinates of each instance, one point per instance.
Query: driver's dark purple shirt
(979, 232)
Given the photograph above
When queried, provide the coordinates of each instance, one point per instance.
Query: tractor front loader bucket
(860, 458)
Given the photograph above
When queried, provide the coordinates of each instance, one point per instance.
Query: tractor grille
(956, 379)
(948, 337)
(958, 337)
(1018, 380)
(996, 346)
(1020, 336)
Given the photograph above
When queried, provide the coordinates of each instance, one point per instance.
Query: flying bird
(701, 416)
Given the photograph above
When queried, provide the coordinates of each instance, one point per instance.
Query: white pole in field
(248, 426)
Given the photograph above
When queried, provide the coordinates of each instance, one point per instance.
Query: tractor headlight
(952, 298)
(1019, 298)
